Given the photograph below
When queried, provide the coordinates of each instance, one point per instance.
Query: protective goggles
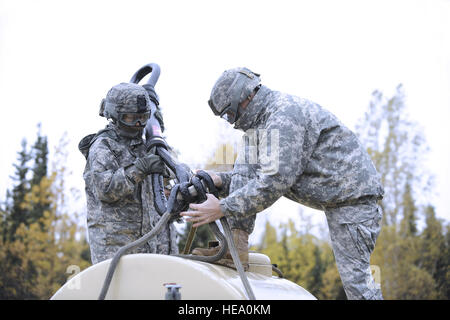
(228, 113)
(134, 119)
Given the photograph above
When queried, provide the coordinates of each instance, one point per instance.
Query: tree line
(409, 261)
(41, 237)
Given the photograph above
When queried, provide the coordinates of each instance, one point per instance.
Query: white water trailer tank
(143, 276)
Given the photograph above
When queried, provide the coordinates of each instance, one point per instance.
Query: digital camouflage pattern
(222, 94)
(353, 243)
(120, 198)
(126, 97)
(295, 148)
(243, 172)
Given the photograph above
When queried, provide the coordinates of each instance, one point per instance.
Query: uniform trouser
(106, 238)
(353, 243)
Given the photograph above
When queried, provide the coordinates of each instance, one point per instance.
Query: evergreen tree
(331, 283)
(303, 259)
(39, 172)
(35, 259)
(5, 212)
(273, 248)
(316, 273)
(444, 281)
(18, 213)
(397, 147)
(408, 226)
(435, 257)
(40, 156)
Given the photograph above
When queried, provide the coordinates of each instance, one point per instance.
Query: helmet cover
(232, 88)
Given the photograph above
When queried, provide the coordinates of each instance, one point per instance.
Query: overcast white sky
(59, 58)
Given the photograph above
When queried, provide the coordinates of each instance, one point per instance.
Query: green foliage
(408, 259)
(303, 259)
(39, 170)
(17, 213)
(40, 239)
(435, 253)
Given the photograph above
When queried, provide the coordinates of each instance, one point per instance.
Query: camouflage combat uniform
(304, 153)
(119, 203)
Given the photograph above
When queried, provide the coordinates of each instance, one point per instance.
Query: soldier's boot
(240, 238)
(213, 249)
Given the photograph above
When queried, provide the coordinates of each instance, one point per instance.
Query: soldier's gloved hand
(151, 163)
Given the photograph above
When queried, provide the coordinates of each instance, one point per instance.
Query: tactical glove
(149, 164)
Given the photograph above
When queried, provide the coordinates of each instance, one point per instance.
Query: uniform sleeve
(106, 179)
(280, 155)
(224, 190)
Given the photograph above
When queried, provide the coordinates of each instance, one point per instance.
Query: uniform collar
(254, 110)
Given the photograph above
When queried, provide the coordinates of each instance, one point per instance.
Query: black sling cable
(155, 231)
(164, 207)
(225, 240)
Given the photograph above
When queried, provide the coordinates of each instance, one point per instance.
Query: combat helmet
(231, 89)
(127, 105)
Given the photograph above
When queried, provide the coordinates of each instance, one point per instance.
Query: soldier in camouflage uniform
(119, 192)
(303, 152)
